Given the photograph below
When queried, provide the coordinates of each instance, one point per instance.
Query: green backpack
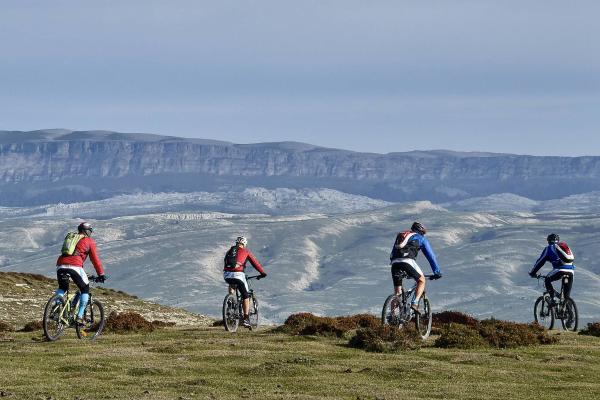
(71, 240)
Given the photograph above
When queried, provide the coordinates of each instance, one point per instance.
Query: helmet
(553, 238)
(418, 227)
(85, 228)
(241, 240)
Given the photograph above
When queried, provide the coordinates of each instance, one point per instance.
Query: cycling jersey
(550, 255)
(85, 247)
(421, 243)
(243, 255)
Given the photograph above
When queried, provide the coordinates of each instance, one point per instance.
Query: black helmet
(85, 228)
(553, 238)
(418, 227)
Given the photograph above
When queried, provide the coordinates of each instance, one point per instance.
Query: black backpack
(231, 257)
(404, 247)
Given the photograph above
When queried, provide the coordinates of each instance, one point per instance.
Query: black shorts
(410, 270)
(63, 275)
(240, 286)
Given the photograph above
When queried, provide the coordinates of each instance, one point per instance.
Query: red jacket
(244, 255)
(85, 247)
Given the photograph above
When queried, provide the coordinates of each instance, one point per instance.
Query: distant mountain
(58, 165)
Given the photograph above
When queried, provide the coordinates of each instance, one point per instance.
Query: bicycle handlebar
(257, 277)
(95, 278)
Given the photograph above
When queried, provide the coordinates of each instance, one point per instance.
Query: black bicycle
(545, 310)
(60, 313)
(233, 312)
(397, 311)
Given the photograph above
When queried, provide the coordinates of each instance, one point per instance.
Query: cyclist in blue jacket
(560, 256)
(403, 259)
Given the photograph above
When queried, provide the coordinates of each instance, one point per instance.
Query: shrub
(162, 324)
(459, 336)
(32, 326)
(310, 324)
(218, 322)
(506, 334)
(128, 322)
(385, 339)
(593, 329)
(6, 327)
(453, 317)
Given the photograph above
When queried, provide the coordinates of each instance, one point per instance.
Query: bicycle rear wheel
(55, 320)
(391, 313)
(253, 314)
(570, 317)
(93, 321)
(423, 321)
(231, 317)
(543, 313)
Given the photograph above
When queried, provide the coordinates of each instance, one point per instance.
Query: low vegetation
(310, 324)
(592, 329)
(383, 339)
(132, 322)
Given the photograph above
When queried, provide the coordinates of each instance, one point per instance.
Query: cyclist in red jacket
(71, 266)
(233, 272)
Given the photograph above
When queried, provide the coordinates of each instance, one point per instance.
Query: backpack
(231, 257)
(70, 243)
(404, 247)
(564, 252)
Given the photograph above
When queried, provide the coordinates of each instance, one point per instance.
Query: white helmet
(241, 240)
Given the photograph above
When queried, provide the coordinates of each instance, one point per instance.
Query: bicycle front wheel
(391, 311)
(253, 314)
(231, 317)
(93, 321)
(543, 313)
(424, 319)
(55, 320)
(570, 317)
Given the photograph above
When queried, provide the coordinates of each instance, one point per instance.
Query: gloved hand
(100, 278)
(533, 275)
(263, 275)
(436, 276)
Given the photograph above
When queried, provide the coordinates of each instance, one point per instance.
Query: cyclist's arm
(95, 259)
(430, 255)
(540, 262)
(255, 263)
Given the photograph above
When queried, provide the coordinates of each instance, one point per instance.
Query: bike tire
(543, 314)
(253, 315)
(424, 320)
(570, 319)
(231, 318)
(93, 321)
(53, 326)
(390, 315)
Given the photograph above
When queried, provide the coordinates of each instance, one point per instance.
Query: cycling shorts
(237, 279)
(407, 265)
(77, 274)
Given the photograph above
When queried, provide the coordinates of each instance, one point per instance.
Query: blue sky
(380, 76)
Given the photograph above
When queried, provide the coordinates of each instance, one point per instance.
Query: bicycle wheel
(55, 320)
(391, 314)
(231, 317)
(543, 313)
(423, 321)
(93, 321)
(253, 314)
(570, 317)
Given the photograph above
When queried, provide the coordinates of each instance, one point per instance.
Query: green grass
(209, 363)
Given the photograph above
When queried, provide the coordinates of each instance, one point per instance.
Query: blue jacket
(549, 255)
(424, 245)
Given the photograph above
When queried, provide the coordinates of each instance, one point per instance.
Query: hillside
(23, 297)
(64, 166)
(208, 363)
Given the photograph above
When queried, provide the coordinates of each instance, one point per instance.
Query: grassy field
(208, 363)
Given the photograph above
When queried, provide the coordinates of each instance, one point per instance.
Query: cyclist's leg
(397, 278)
(569, 283)
(63, 282)
(79, 277)
(412, 269)
(553, 276)
(242, 286)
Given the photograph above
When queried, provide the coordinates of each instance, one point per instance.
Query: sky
(378, 76)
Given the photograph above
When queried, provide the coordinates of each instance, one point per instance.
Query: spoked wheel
(423, 321)
(55, 322)
(392, 314)
(253, 314)
(544, 315)
(570, 317)
(93, 321)
(231, 313)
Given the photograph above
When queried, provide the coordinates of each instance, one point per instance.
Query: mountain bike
(60, 313)
(545, 311)
(233, 312)
(398, 313)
